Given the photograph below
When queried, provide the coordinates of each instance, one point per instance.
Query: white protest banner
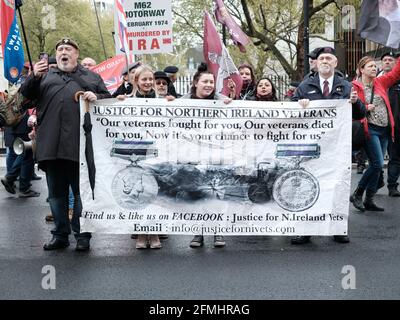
(200, 166)
(149, 25)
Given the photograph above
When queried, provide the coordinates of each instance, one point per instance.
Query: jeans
(71, 199)
(20, 166)
(360, 158)
(394, 160)
(375, 148)
(10, 159)
(61, 174)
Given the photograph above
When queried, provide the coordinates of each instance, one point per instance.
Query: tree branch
(318, 8)
(189, 24)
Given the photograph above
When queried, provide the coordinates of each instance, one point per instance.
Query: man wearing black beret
(312, 60)
(58, 134)
(171, 72)
(326, 84)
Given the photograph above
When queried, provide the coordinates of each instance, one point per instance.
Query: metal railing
(183, 84)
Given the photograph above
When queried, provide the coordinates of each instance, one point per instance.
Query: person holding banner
(379, 127)
(162, 82)
(327, 84)
(265, 91)
(143, 84)
(203, 87)
(58, 134)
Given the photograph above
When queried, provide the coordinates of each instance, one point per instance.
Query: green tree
(276, 28)
(48, 21)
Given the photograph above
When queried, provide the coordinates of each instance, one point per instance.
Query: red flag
(218, 59)
(110, 71)
(238, 36)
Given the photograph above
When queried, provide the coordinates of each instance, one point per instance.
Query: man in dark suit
(327, 84)
(127, 74)
(171, 72)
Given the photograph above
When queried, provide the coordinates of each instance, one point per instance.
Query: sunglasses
(161, 82)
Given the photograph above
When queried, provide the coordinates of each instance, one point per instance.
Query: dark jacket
(58, 113)
(248, 93)
(21, 130)
(314, 73)
(394, 98)
(151, 94)
(123, 89)
(310, 89)
(215, 96)
(172, 91)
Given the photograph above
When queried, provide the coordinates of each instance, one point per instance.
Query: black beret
(171, 69)
(313, 54)
(130, 67)
(68, 41)
(390, 54)
(161, 75)
(324, 50)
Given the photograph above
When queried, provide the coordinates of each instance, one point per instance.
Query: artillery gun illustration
(281, 179)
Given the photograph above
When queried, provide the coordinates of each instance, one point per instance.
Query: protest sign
(200, 166)
(110, 71)
(149, 25)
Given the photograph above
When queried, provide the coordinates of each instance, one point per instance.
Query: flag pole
(25, 39)
(376, 50)
(101, 34)
(126, 55)
(306, 39)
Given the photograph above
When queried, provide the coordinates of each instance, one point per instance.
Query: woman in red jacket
(378, 126)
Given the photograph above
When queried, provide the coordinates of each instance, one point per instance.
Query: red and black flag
(380, 22)
(218, 59)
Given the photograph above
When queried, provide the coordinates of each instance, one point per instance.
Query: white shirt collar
(330, 82)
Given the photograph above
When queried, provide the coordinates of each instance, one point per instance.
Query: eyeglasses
(159, 83)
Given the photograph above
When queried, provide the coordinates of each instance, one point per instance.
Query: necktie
(325, 92)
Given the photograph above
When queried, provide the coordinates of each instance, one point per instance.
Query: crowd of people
(54, 121)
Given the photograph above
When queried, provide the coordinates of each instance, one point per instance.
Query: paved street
(247, 268)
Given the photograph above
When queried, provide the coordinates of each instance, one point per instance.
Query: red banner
(238, 36)
(111, 71)
(218, 59)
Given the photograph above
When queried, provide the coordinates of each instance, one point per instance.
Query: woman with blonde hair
(378, 126)
(143, 84)
(143, 87)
